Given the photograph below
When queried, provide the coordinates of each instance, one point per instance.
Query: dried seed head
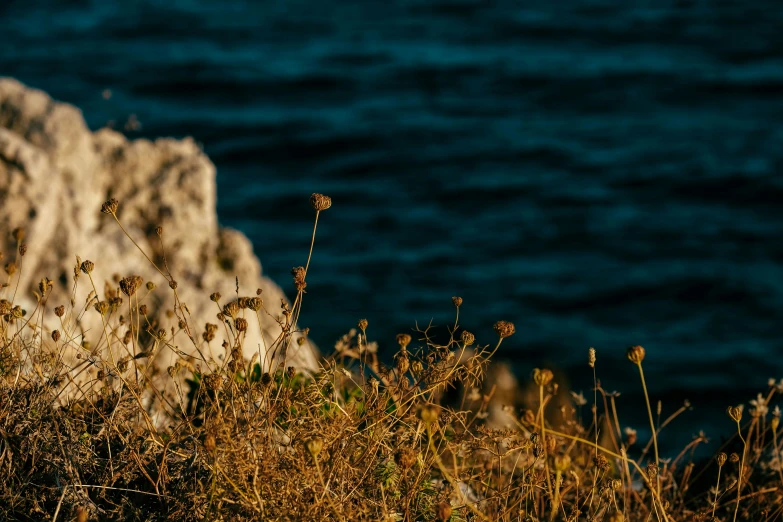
(18, 234)
(45, 285)
(735, 412)
(601, 462)
(591, 357)
(159, 230)
(542, 377)
(231, 309)
(457, 301)
(210, 444)
(55, 335)
(290, 372)
(215, 296)
(10, 268)
(403, 340)
(110, 206)
(734, 458)
(5, 307)
(721, 458)
(320, 202)
(101, 375)
(241, 324)
(87, 266)
(314, 447)
(128, 337)
(259, 291)
(173, 284)
(214, 382)
(255, 303)
(102, 307)
(299, 277)
(652, 471)
(22, 249)
(363, 324)
(143, 309)
(59, 311)
(444, 511)
(150, 286)
(504, 329)
(428, 414)
(635, 354)
(468, 338)
(403, 363)
(266, 379)
(130, 284)
(114, 304)
(405, 458)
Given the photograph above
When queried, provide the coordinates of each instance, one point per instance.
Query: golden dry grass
(355, 440)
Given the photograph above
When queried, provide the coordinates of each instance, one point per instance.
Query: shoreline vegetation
(90, 429)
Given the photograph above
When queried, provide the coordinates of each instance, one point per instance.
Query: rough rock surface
(55, 174)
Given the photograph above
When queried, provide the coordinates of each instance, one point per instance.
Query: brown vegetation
(86, 435)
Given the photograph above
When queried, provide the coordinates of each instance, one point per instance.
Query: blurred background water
(599, 173)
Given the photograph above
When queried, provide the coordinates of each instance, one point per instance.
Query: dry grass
(356, 440)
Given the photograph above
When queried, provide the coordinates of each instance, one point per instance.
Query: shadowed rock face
(55, 174)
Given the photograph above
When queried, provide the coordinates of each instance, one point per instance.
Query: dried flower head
(173, 284)
(457, 301)
(320, 202)
(87, 266)
(734, 458)
(18, 234)
(266, 379)
(255, 303)
(504, 329)
(721, 458)
(314, 447)
(10, 268)
(467, 338)
(428, 414)
(652, 470)
(215, 296)
(363, 324)
(59, 311)
(735, 412)
(231, 309)
(562, 462)
(601, 462)
(130, 284)
(150, 286)
(542, 377)
(403, 340)
(591, 357)
(405, 458)
(45, 285)
(102, 307)
(110, 206)
(159, 230)
(55, 335)
(143, 309)
(241, 324)
(635, 354)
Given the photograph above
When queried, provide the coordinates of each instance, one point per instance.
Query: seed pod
(504, 329)
(87, 266)
(110, 206)
(467, 338)
(403, 340)
(320, 202)
(59, 311)
(721, 458)
(130, 284)
(55, 335)
(143, 309)
(542, 377)
(457, 301)
(635, 354)
(241, 324)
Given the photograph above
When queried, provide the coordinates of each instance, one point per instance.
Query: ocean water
(599, 173)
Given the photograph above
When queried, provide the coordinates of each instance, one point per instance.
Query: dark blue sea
(599, 173)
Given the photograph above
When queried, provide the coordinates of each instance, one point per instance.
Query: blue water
(599, 173)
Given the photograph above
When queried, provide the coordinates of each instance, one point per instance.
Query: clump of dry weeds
(256, 439)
